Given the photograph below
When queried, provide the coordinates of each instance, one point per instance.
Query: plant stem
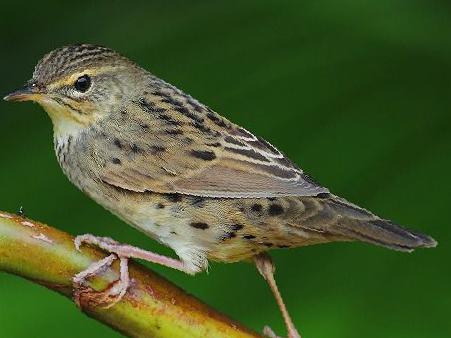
(152, 306)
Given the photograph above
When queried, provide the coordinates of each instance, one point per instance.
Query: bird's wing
(170, 145)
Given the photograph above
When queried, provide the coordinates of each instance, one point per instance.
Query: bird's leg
(122, 251)
(125, 250)
(266, 268)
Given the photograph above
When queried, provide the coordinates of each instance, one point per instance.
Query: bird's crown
(70, 59)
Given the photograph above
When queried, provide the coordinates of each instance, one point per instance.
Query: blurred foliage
(356, 92)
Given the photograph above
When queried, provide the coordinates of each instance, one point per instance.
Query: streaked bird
(183, 175)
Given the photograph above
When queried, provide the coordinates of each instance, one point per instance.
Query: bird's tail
(359, 224)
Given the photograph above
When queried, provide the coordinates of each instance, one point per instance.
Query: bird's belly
(147, 216)
(219, 229)
(184, 224)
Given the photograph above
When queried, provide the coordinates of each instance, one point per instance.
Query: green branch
(152, 307)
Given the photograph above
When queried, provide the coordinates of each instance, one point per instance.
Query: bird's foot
(268, 332)
(115, 292)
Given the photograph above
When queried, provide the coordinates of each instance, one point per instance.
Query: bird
(184, 175)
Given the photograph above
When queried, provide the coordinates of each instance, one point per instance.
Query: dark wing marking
(209, 156)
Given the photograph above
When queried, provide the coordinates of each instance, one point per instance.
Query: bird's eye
(83, 83)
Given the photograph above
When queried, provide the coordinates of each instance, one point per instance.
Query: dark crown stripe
(70, 58)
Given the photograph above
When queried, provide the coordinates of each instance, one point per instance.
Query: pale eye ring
(83, 83)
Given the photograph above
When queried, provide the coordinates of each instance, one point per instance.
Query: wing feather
(180, 146)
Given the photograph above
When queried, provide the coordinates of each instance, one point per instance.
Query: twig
(152, 307)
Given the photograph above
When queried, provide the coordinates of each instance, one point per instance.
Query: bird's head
(79, 84)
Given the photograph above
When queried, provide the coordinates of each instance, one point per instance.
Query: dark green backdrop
(356, 92)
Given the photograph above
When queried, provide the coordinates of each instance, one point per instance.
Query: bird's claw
(116, 291)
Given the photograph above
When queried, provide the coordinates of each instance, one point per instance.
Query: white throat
(65, 125)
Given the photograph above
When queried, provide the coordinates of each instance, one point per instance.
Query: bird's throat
(65, 121)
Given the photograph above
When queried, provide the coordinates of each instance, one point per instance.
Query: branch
(152, 307)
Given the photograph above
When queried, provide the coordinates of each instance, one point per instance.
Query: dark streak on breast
(135, 149)
(117, 143)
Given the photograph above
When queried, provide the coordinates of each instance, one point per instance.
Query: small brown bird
(184, 175)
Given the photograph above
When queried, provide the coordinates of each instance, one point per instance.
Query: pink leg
(266, 268)
(123, 252)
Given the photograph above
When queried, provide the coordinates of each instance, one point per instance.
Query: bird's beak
(29, 92)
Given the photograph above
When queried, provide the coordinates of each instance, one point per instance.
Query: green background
(356, 92)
